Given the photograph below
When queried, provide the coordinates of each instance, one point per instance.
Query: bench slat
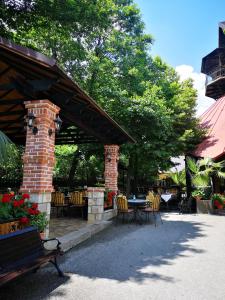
(20, 245)
(23, 251)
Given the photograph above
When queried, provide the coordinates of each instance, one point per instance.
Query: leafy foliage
(203, 170)
(179, 178)
(102, 45)
(4, 147)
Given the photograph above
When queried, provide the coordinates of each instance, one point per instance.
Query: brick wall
(39, 157)
(111, 167)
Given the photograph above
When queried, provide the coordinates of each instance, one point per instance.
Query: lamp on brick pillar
(30, 121)
(38, 158)
(108, 156)
(58, 124)
(111, 167)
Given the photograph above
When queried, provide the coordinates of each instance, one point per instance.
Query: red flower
(32, 211)
(21, 201)
(25, 196)
(24, 220)
(216, 203)
(6, 198)
(16, 203)
(34, 206)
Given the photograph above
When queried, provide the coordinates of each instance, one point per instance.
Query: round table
(136, 204)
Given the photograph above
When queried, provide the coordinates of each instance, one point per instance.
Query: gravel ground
(181, 259)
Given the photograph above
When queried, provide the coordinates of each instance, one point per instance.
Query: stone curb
(74, 238)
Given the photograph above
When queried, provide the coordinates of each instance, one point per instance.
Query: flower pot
(204, 206)
(8, 227)
(42, 235)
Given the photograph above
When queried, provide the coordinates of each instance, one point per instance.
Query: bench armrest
(53, 239)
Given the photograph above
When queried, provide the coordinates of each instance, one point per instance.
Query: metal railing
(217, 73)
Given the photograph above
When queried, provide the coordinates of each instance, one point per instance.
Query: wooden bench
(23, 251)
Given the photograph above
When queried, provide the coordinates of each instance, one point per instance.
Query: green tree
(103, 46)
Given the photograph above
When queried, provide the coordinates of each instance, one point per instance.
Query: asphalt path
(183, 258)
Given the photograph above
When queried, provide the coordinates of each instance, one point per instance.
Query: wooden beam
(11, 113)
(7, 86)
(5, 71)
(11, 101)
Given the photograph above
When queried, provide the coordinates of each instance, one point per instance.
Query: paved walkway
(181, 259)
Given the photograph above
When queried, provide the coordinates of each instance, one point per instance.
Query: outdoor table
(166, 198)
(136, 204)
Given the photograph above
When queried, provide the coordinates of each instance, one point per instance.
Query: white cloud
(186, 72)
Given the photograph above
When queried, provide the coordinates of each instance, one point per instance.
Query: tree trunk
(135, 182)
(128, 184)
(73, 168)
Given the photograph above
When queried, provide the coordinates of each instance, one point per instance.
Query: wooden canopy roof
(29, 75)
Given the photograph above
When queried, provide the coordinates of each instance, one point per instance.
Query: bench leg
(55, 263)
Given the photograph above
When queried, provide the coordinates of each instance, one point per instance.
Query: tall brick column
(111, 166)
(39, 156)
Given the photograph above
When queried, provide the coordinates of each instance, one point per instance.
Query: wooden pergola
(33, 84)
(29, 75)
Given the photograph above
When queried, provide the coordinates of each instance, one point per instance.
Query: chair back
(150, 197)
(122, 204)
(76, 198)
(156, 203)
(58, 199)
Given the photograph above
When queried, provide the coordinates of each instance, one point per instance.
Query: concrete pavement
(181, 259)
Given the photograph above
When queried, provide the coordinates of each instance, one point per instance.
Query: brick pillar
(111, 167)
(39, 156)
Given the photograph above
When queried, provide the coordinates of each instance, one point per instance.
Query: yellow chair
(122, 207)
(77, 201)
(154, 207)
(58, 201)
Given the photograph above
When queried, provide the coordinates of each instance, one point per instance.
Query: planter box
(204, 206)
(8, 227)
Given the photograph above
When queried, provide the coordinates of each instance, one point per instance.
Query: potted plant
(12, 209)
(201, 172)
(40, 221)
(218, 201)
(16, 212)
(109, 197)
(198, 194)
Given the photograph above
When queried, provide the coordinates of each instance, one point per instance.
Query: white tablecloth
(166, 197)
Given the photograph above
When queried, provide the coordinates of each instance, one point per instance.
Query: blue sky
(184, 32)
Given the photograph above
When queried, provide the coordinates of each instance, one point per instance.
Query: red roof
(213, 119)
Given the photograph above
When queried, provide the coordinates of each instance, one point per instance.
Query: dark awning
(29, 75)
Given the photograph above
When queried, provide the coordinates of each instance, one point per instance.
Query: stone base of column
(44, 205)
(96, 210)
(95, 204)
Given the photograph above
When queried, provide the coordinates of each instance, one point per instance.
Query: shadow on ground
(123, 252)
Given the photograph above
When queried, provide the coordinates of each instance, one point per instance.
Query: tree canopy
(103, 46)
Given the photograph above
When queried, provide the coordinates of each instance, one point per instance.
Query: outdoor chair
(77, 201)
(154, 207)
(122, 207)
(58, 201)
(185, 205)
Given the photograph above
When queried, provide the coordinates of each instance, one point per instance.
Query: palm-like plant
(4, 146)
(179, 178)
(203, 170)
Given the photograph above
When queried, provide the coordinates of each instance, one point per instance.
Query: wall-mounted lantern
(58, 124)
